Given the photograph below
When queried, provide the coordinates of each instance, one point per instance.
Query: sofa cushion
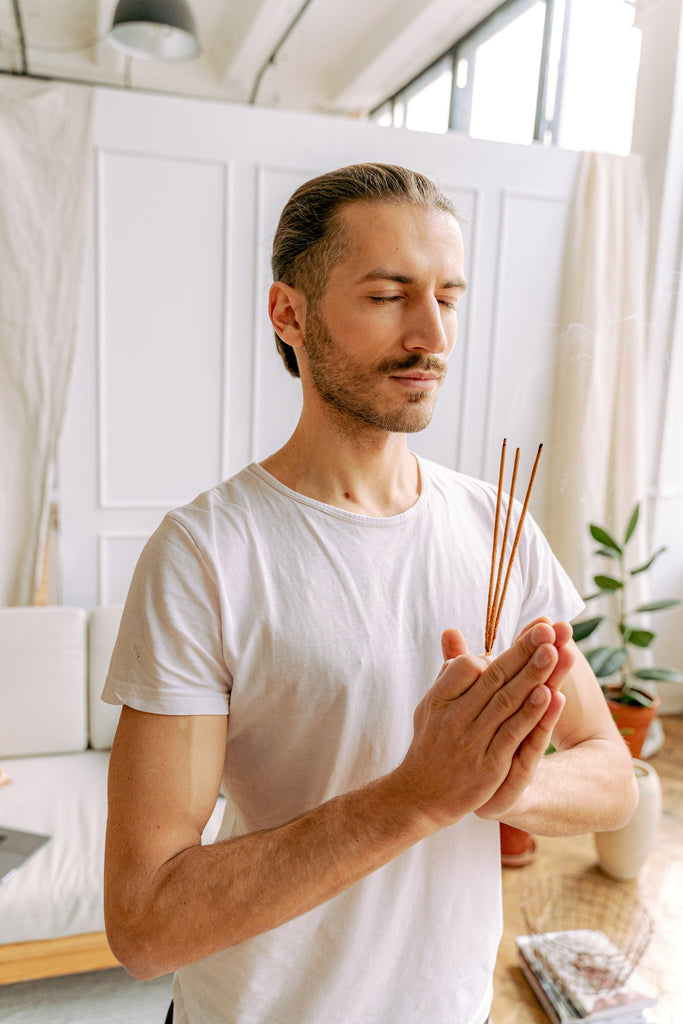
(59, 890)
(42, 681)
(103, 626)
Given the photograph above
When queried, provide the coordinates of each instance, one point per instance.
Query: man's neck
(371, 473)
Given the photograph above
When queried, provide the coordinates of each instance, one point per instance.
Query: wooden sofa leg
(50, 958)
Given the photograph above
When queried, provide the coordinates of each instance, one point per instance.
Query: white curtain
(45, 156)
(597, 459)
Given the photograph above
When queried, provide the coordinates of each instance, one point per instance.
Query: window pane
(506, 77)
(598, 98)
(428, 108)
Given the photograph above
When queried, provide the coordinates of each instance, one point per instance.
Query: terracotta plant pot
(517, 847)
(632, 722)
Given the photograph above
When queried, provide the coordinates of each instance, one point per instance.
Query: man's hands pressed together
(481, 729)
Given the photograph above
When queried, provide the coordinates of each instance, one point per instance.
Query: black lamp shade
(157, 29)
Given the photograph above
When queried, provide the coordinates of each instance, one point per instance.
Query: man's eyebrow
(384, 274)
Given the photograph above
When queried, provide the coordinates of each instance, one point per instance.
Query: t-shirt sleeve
(168, 657)
(548, 590)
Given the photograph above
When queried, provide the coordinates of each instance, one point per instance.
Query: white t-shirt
(318, 632)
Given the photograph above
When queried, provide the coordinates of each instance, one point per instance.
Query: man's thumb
(453, 644)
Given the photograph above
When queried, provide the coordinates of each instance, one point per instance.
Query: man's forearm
(588, 788)
(207, 898)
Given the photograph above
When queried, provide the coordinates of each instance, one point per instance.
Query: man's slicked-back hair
(310, 239)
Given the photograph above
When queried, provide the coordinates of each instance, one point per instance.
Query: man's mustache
(427, 364)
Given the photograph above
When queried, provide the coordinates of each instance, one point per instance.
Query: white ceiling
(342, 56)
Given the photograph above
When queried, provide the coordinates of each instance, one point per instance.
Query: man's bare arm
(169, 901)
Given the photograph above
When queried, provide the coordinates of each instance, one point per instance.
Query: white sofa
(55, 736)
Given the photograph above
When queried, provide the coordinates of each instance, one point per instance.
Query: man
(280, 638)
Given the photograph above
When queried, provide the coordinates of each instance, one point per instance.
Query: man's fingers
(495, 691)
(530, 660)
(538, 740)
(453, 644)
(517, 707)
(526, 647)
(524, 762)
(566, 657)
(530, 625)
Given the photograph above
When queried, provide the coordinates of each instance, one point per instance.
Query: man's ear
(287, 311)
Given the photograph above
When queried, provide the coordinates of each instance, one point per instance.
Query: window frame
(460, 108)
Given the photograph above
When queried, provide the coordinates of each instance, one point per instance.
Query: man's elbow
(133, 943)
(625, 794)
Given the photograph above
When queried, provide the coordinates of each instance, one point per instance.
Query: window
(424, 104)
(559, 72)
(601, 73)
(511, 53)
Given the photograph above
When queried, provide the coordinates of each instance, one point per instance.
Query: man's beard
(354, 392)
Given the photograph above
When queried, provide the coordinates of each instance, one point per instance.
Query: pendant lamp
(156, 29)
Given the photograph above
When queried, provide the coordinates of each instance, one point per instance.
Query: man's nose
(427, 330)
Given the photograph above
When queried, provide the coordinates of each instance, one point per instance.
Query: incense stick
(496, 597)
(491, 598)
(493, 621)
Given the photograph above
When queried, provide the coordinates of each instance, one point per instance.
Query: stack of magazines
(575, 977)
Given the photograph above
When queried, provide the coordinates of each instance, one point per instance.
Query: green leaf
(667, 675)
(605, 661)
(636, 698)
(632, 523)
(608, 583)
(591, 597)
(646, 566)
(607, 553)
(637, 637)
(603, 537)
(587, 626)
(656, 606)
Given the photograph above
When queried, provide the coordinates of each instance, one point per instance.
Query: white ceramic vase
(623, 852)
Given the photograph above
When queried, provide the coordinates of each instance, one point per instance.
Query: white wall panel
(524, 328)
(117, 556)
(161, 277)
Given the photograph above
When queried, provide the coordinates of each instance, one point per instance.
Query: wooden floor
(659, 886)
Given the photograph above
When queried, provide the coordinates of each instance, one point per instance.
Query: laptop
(16, 848)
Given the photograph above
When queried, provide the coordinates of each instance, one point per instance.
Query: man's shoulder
(234, 492)
(227, 506)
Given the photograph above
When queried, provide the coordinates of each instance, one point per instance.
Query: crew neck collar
(339, 513)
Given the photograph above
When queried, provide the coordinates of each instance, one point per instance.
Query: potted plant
(632, 706)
